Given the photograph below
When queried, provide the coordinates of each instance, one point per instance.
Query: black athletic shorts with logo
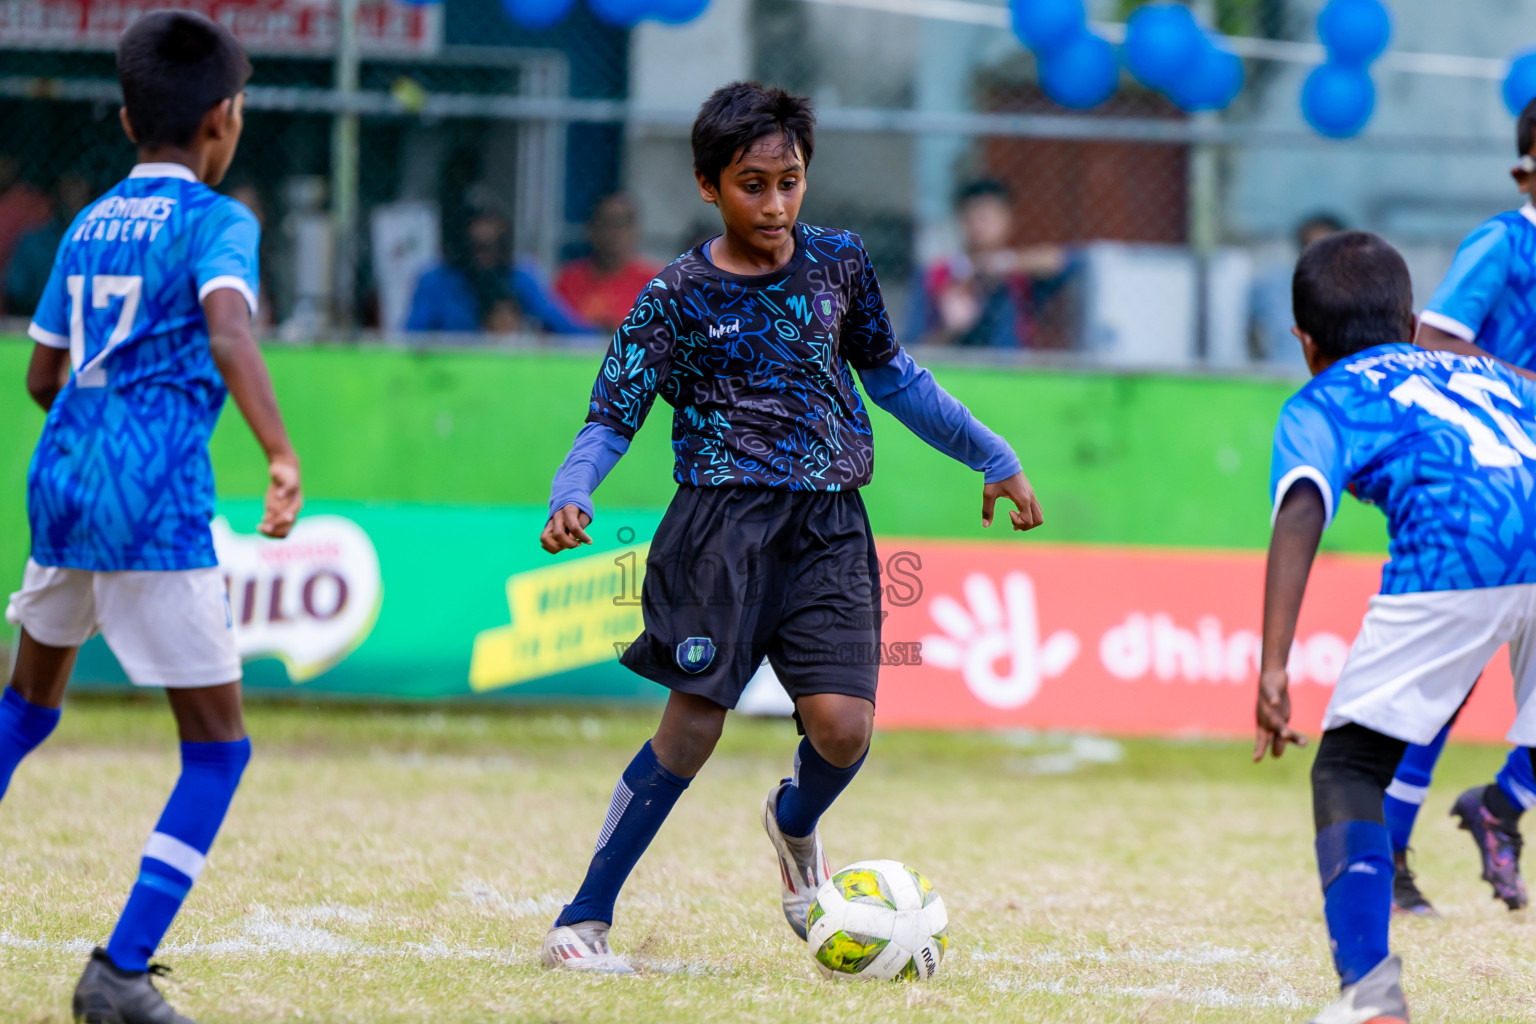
(736, 574)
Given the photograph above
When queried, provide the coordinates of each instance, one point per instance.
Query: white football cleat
(802, 863)
(583, 946)
(1376, 998)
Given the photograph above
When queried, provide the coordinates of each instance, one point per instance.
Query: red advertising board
(290, 27)
(1120, 640)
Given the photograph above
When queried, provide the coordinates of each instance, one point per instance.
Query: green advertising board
(426, 602)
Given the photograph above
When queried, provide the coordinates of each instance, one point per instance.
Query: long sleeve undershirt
(900, 387)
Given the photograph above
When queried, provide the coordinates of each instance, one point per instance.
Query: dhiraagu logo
(564, 617)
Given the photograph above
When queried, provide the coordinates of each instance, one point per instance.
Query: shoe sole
(1470, 822)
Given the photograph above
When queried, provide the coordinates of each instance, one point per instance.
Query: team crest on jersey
(825, 307)
(695, 654)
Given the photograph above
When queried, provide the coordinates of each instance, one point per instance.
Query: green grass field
(403, 866)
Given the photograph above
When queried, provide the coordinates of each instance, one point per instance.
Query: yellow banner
(565, 617)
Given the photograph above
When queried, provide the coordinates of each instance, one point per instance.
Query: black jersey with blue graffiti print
(757, 369)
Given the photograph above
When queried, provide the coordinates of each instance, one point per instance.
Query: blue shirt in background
(1442, 443)
(1489, 294)
(121, 478)
(445, 301)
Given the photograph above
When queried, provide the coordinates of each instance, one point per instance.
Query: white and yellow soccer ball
(877, 920)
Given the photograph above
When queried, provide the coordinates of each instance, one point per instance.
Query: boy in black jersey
(753, 338)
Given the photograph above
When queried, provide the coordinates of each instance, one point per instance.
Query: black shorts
(736, 574)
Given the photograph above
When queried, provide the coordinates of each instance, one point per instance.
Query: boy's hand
(1272, 716)
(1017, 490)
(566, 529)
(285, 497)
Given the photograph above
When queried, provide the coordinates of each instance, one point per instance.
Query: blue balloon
(537, 14)
(1354, 31)
(1045, 26)
(620, 13)
(678, 12)
(1338, 99)
(1520, 83)
(1212, 82)
(1162, 41)
(1081, 74)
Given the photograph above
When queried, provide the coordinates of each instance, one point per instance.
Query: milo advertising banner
(437, 602)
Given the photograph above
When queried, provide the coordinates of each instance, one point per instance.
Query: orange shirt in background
(604, 299)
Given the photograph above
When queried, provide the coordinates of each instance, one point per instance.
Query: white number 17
(1487, 447)
(104, 288)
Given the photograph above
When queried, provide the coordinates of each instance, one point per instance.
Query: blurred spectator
(480, 287)
(250, 195)
(602, 286)
(32, 260)
(22, 208)
(988, 295)
(1269, 336)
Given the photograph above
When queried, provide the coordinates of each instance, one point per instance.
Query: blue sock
(815, 784)
(1410, 786)
(642, 800)
(1517, 780)
(174, 855)
(23, 727)
(1354, 861)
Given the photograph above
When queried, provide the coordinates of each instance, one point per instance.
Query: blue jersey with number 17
(1442, 443)
(121, 478)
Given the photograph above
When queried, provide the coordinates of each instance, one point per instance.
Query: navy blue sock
(1354, 861)
(1517, 780)
(816, 783)
(642, 800)
(1410, 786)
(23, 727)
(174, 855)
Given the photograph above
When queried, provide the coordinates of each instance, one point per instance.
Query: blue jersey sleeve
(867, 339)
(50, 321)
(1473, 284)
(226, 254)
(637, 365)
(1307, 447)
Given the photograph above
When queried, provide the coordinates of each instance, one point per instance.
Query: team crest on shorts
(825, 307)
(695, 654)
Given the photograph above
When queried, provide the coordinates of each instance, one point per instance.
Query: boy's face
(986, 223)
(223, 135)
(759, 194)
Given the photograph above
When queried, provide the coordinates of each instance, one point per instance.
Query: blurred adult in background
(250, 196)
(481, 287)
(22, 209)
(32, 260)
(989, 294)
(1269, 334)
(602, 286)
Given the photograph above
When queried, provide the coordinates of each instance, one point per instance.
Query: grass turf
(403, 866)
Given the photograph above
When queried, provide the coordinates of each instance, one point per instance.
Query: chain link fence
(445, 138)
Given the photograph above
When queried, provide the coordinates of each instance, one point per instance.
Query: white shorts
(1418, 656)
(166, 628)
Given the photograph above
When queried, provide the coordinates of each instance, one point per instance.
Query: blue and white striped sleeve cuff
(1304, 473)
(43, 336)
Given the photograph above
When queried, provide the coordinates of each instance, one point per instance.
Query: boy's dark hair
(982, 188)
(1525, 129)
(1351, 290)
(174, 67)
(737, 115)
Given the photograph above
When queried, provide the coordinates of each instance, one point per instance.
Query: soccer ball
(877, 920)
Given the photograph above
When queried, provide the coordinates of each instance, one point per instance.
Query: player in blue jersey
(144, 324)
(754, 338)
(1443, 444)
(1485, 304)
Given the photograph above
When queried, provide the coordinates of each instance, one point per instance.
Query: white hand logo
(983, 634)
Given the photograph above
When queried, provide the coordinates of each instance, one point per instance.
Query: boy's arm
(47, 373)
(596, 451)
(1478, 276)
(245, 374)
(1298, 529)
(1432, 337)
(909, 393)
